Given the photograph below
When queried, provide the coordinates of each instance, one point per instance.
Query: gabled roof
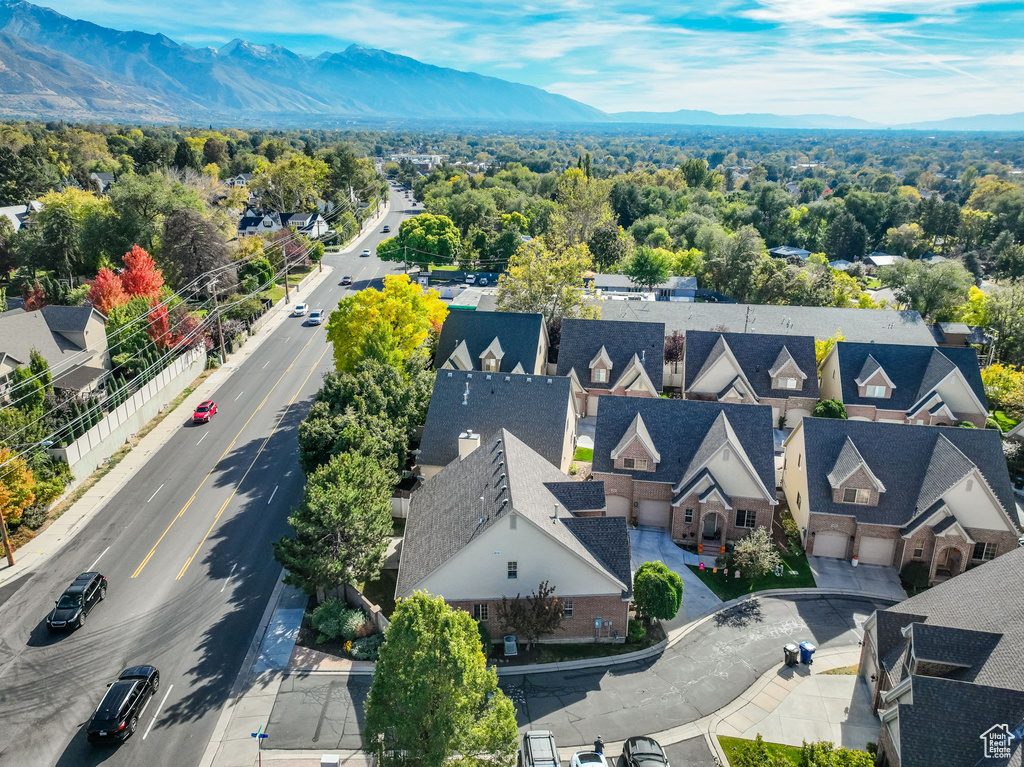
(784, 360)
(602, 358)
(21, 332)
(459, 359)
(868, 370)
(910, 463)
(636, 378)
(494, 350)
(70, 319)
(582, 341)
(914, 371)
(519, 335)
(720, 435)
(445, 514)
(757, 355)
(534, 407)
(578, 496)
(678, 429)
(848, 462)
(637, 432)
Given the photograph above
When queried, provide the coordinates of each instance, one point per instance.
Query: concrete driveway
(585, 429)
(876, 580)
(648, 545)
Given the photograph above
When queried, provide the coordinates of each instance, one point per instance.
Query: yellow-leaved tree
(17, 489)
(823, 346)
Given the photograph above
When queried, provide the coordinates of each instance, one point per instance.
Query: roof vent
(488, 378)
(508, 378)
(449, 374)
(528, 379)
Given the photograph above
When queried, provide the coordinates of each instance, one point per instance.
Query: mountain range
(52, 66)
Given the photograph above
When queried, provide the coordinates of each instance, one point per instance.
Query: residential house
(102, 181)
(493, 341)
(498, 522)
(840, 265)
(960, 334)
(705, 471)
(621, 286)
(753, 369)
(619, 358)
(256, 222)
(881, 259)
(905, 384)
(468, 408)
(944, 670)
(879, 325)
(787, 251)
(890, 495)
(19, 215)
(241, 180)
(72, 339)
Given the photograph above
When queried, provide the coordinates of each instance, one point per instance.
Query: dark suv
(117, 717)
(77, 601)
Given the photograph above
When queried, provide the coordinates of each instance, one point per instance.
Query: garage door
(876, 551)
(795, 415)
(617, 506)
(654, 513)
(830, 545)
(592, 405)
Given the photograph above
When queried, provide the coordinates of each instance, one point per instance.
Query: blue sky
(884, 60)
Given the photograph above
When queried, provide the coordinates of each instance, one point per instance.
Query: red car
(204, 412)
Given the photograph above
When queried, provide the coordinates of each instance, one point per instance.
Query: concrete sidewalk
(656, 545)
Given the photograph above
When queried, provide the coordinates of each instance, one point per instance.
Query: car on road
(365, 253)
(299, 310)
(539, 750)
(386, 229)
(117, 717)
(587, 759)
(641, 751)
(77, 601)
(317, 317)
(346, 280)
(205, 412)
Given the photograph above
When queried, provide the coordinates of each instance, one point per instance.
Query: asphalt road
(185, 545)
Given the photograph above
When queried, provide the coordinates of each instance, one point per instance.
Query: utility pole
(220, 328)
(284, 251)
(7, 541)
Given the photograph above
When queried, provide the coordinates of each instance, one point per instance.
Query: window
(984, 551)
(725, 454)
(746, 518)
(874, 391)
(566, 608)
(970, 485)
(480, 612)
(856, 495)
(513, 570)
(798, 500)
(786, 383)
(491, 364)
(599, 375)
(919, 552)
(635, 463)
(799, 459)
(688, 516)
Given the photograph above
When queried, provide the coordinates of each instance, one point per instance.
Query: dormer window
(599, 375)
(787, 383)
(856, 495)
(490, 364)
(638, 464)
(874, 391)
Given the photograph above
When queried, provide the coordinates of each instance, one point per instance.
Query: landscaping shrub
(826, 754)
(657, 591)
(333, 619)
(35, 517)
(637, 631)
(915, 575)
(486, 643)
(367, 647)
(792, 534)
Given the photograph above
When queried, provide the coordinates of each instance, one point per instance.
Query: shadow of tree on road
(744, 614)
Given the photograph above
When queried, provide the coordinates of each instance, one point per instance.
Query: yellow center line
(222, 456)
(254, 460)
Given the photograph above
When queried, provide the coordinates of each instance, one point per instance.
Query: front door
(710, 526)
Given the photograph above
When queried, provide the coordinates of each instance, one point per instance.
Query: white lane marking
(287, 339)
(93, 565)
(272, 494)
(154, 494)
(239, 395)
(203, 437)
(228, 578)
(158, 708)
(265, 364)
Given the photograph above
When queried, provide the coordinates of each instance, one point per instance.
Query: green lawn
(732, 746)
(731, 588)
(584, 454)
(1005, 422)
(275, 294)
(298, 274)
(444, 268)
(382, 591)
(873, 282)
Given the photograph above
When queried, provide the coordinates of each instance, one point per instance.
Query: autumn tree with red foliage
(173, 329)
(159, 327)
(141, 276)
(107, 292)
(34, 298)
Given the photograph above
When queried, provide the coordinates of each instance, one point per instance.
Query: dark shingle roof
(21, 332)
(528, 405)
(678, 429)
(915, 370)
(445, 513)
(756, 353)
(69, 319)
(578, 496)
(581, 341)
(78, 379)
(519, 334)
(905, 461)
(954, 646)
(606, 281)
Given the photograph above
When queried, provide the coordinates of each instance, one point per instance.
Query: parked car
(587, 759)
(77, 601)
(641, 751)
(346, 280)
(539, 750)
(205, 412)
(386, 229)
(299, 310)
(365, 253)
(117, 717)
(317, 317)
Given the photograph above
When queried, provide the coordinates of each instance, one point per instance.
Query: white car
(365, 253)
(588, 759)
(317, 317)
(299, 310)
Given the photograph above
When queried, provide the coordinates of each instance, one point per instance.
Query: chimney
(468, 442)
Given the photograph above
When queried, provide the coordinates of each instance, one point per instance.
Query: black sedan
(77, 601)
(642, 751)
(117, 717)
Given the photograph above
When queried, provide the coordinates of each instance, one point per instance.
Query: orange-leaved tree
(141, 276)
(17, 485)
(107, 292)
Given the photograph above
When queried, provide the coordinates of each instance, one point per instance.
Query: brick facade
(635, 449)
(861, 481)
(818, 523)
(578, 628)
(873, 413)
